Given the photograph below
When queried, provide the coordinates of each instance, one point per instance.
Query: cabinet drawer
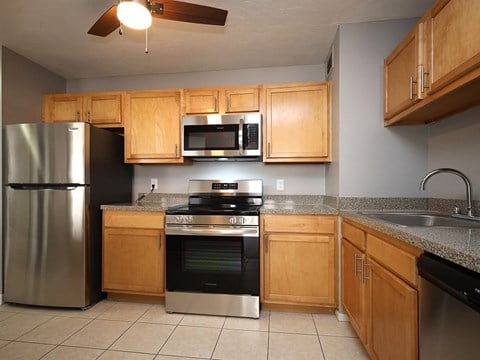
(300, 223)
(398, 261)
(354, 235)
(134, 219)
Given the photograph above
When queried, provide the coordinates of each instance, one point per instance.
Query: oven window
(212, 256)
(211, 137)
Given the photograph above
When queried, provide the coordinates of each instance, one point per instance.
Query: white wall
(374, 161)
(299, 178)
(455, 142)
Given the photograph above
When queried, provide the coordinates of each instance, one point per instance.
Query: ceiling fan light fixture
(134, 14)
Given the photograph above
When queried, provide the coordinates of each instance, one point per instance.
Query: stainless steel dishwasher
(449, 310)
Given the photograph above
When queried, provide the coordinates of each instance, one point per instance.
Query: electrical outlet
(280, 185)
(153, 183)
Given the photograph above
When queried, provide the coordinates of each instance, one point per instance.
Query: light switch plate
(154, 183)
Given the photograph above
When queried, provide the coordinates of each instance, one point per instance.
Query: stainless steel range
(212, 246)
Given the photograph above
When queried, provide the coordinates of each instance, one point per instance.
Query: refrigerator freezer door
(47, 153)
(45, 246)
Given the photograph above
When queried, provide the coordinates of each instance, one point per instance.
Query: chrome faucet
(467, 184)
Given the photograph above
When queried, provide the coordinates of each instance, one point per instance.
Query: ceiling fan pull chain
(120, 29)
(146, 41)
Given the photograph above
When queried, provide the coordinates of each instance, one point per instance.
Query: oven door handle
(212, 231)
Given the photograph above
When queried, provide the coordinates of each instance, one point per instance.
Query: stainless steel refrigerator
(56, 178)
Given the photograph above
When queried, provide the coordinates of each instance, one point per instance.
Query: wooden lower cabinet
(298, 260)
(379, 292)
(393, 316)
(354, 290)
(133, 258)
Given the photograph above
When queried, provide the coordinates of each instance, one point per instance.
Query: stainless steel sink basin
(422, 219)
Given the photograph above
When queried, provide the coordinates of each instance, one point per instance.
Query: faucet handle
(456, 210)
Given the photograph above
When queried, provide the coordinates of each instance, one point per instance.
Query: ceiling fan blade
(107, 23)
(182, 11)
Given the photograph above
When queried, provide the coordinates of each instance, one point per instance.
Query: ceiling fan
(138, 15)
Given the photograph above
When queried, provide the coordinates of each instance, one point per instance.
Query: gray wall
(455, 142)
(373, 160)
(201, 79)
(23, 84)
(299, 179)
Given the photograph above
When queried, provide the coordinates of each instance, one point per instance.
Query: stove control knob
(237, 220)
(183, 219)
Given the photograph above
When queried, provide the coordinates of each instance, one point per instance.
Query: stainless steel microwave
(222, 137)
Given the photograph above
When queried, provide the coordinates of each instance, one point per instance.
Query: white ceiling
(258, 33)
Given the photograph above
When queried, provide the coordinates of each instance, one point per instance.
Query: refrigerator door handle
(45, 187)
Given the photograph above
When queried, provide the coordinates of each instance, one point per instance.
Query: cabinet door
(201, 101)
(297, 123)
(299, 269)
(393, 316)
(133, 261)
(104, 110)
(401, 90)
(454, 41)
(354, 293)
(242, 100)
(62, 108)
(152, 127)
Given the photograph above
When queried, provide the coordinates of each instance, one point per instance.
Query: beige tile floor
(128, 331)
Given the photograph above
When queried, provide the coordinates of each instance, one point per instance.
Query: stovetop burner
(219, 197)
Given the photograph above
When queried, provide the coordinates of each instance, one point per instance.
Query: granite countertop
(459, 245)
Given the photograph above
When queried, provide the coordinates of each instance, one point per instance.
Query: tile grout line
(268, 336)
(90, 321)
(218, 338)
(169, 336)
(318, 338)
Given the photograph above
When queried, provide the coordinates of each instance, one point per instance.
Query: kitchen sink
(423, 219)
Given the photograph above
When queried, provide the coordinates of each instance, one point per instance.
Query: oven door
(213, 260)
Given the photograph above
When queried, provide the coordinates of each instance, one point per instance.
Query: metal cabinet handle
(269, 148)
(265, 242)
(228, 103)
(364, 272)
(355, 267)
(88, 116)
(215, 101)
(423, 73)
(160, 241)
(176, 150)
(412, 82)
(77, 116)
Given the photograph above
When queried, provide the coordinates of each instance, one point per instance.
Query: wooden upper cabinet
(152, 127)
(401, 90)
(62, 108)
(222, 100)
(99, 109)
(242, 100)
(448, 66)
(453, 33)
(297, 123)
(201, 101)
(104, 109)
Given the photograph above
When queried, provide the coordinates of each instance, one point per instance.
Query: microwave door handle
(240, 136)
